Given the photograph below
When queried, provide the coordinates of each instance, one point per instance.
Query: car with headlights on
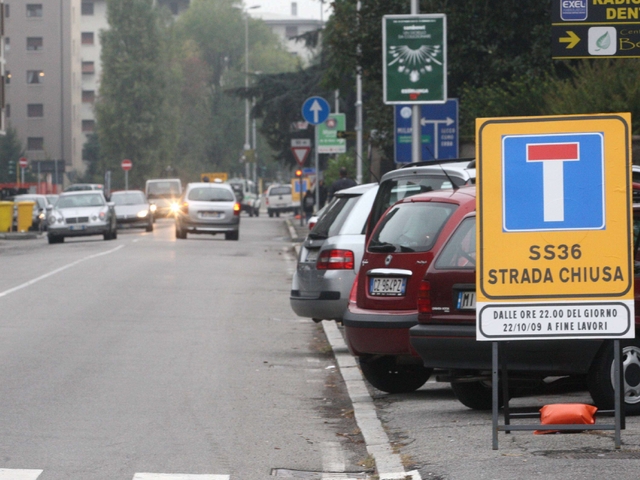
(330, 255)
(38, 217)
(209, 208)
(81, 213)
(133, 210)
(383, 301)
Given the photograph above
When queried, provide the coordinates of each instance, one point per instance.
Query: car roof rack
(472, 162)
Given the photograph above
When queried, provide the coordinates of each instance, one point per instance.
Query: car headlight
(143, 213)
(52, 219)
(175, 207)
(153, 207)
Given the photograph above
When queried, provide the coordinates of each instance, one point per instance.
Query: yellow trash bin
(25, 215)
(6, 216)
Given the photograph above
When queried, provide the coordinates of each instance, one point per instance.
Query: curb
(19, 235)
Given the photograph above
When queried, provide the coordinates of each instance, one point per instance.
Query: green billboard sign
(414, 55)
(328, 140)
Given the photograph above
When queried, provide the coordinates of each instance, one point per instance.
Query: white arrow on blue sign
(315, 110)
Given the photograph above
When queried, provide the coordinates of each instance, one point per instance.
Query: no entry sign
(23, 162)
(126, 165)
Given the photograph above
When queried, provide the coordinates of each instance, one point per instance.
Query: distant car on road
(278, 200)
(81, 213)
(133, 210)
(208, 208)
(330, 256)
(164, 193)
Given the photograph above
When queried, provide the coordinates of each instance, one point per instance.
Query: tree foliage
(133, 118)
(10, 151)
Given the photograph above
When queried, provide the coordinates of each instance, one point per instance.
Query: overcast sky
(306, 8)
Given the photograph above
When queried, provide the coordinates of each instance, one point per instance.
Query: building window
(35, 143)
(6, 10)
(87, 8)
(88, 96)
(291, 31)
(34, 44)
(87, 38)
(88, 67)
(88, 126)
(35, 77)
(34, 10)
(7, 44)
(35, 110)
(7, 110)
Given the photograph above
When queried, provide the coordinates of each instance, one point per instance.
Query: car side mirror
(48, 208)
(111, 204)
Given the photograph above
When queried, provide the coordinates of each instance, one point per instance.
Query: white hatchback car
(208, 208)
(331, 254)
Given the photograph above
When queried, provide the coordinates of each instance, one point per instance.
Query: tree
(133, 115)
(10, 152)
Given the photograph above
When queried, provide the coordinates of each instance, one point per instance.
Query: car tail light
(353, 295)
(335, 260)
(424, 297)
(185, 208)
(311, 225)
(236, 209)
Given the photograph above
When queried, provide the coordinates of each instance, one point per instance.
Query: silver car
(133, 210)
(331, 254)
(208, 208)
(81, 213)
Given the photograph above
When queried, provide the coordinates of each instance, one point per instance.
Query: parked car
(247, 195)
(38, 216)
(133, 210)
(331, 254)
(209, 208)
(382, 305)
(445, 336)
(80, 213)
(278, 200)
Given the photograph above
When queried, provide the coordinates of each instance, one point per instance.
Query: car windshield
(411, 227)
(396, 189)
(129, 198)
(163, 189)
(280, 191)
(71, 201)
(330, 222)
(460, 250)
(210, 194)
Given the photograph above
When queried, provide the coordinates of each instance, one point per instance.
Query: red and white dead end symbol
(553, 156)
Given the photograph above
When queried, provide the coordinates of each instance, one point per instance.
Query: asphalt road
(147, 355)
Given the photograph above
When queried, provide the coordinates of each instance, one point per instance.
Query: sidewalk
(297, 232)
(20, 235)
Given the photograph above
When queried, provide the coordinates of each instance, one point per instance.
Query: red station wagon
(445, 337)
(382, 306)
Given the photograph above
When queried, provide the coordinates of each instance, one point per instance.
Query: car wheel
(250, 211)
(601, 378)
(114, 234)
(55, 239)
(181, 234)
(270, 213)
(232, 236)
(107, 235)
(256, 212)
(149, 227)
(278, 214)
(477, 395)
(386, 375)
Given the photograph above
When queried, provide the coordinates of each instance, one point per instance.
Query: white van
(162, 192)
(247, 195)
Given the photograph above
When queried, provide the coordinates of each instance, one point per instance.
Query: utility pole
(416, 147)
(359, 106)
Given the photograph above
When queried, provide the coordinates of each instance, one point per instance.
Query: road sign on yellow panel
(555, 246)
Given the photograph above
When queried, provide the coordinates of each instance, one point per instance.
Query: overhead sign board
(438, 131)
(595, 29)
(554, 227)
(414, 58)
(328, 141)
(315, 110)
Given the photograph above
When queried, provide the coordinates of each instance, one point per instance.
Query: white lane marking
(388, 464)
(178, 476)
(57, 270)
(11, 474)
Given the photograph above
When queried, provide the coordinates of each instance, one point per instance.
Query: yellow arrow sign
(572, 39)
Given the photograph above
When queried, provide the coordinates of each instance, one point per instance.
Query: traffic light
(11, 164)
(298, 173)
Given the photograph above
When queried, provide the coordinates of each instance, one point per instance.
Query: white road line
(388, 464)
(178, 476)
(57, 270)
(10, 474)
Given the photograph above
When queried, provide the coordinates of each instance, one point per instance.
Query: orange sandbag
(568, 414)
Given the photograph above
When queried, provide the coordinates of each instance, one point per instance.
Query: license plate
(76, 227)
(312, 255)
(466, 301)
(211, 214)
(387, 286)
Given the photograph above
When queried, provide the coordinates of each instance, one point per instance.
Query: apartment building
(43, 78)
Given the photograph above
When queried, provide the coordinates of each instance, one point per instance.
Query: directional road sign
(554, 233)
(414, 58)
(438, 131)
(595, 29)
(300, 147)
(315, 110)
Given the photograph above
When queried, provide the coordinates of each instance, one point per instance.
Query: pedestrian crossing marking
(176, 476)
(13, 474)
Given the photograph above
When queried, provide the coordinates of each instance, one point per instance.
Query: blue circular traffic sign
(315, 110)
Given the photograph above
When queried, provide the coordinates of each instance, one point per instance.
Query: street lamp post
(247, 108)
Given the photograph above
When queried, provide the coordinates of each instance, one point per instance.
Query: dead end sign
(554, 227)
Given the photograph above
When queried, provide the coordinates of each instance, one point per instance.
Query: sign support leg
(494, 389)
